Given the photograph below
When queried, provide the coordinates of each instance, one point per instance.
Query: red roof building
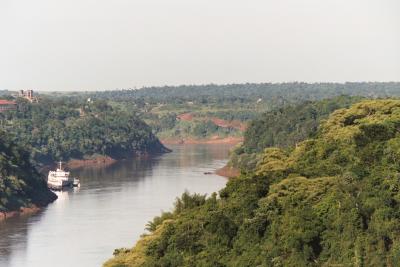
(7, 105)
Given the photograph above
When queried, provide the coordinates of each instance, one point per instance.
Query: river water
(110, 209)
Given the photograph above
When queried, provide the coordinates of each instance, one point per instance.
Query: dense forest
(193, 125)
(275, 94)
(65, 128)
(20, 184)
(219, 111)
(283, 128)
(332, 200)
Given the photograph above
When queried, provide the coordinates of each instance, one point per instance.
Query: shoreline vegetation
(72, 164)
(277, 124)
(22, 188)
(99, 161)
(330, 199)
(226, 171)
(78, 132)
(65, 128)
(282, 128)
(104, 161)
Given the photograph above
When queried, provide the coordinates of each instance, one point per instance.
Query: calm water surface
(110, 209)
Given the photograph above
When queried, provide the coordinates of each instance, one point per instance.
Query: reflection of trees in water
(138, 168)
(14, 232)
(14, 236)
(122, 171)
(191, 155)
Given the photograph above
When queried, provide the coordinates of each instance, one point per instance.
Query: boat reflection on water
(62, 196)
(65, 195)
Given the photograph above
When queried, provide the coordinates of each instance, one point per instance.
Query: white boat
(76, 183)
(60, 179)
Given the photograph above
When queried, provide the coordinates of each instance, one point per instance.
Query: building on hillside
(7, 105)
(28, 94)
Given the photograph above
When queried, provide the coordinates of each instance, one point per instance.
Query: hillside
(220, 113)
(197, 128)
(198, 121)
(331, 201)
(67, 128)
(21, 186)
(284, 128)
(272, 94)
(223, 111)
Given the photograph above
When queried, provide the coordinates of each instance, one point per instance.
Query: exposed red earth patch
(229, 124)
(21, 212)
(228, 172)
(217, 121)
(185, 117)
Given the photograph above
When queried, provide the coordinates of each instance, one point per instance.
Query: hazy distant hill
(204, 112)
(269, 92)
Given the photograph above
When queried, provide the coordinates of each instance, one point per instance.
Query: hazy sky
(108, 44)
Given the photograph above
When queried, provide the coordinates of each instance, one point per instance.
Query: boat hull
(59, 185)
(59, 179)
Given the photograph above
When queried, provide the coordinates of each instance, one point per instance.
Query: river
(110, 209)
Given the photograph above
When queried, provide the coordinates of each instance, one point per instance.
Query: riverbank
(73, 164)
(128, 194)
(24, 211)
(192, 141)
(228, 172)
(99, 161)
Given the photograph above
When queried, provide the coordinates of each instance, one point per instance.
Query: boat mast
(60, 165)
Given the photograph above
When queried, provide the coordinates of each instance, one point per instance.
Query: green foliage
(334, 200)
(284, 128)
(274, 159)
(158, 220)
(281, 126)
(272, 95)
(287, 126)
(61, 129)
(205, 128)
(20, 184)
(198, 128)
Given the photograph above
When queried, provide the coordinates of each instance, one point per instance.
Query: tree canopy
(334, 199)
(20, 184)
(65, 128)
(284, 128)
